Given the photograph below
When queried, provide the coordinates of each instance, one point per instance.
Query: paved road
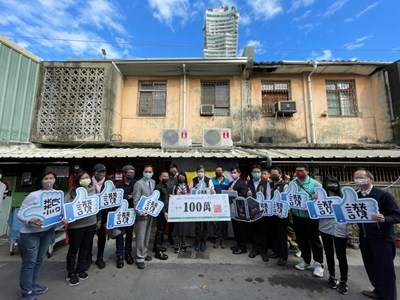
(216, 275)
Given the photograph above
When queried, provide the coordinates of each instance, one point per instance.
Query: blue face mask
(147, 175)
(130, 176)
(256, 175)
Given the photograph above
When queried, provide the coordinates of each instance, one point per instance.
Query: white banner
(199, 208)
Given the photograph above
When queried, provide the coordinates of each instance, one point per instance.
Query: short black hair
(276, 168)
(302, 165)
(38, 182)
(255, 166)
(173, 166)
(236, 168)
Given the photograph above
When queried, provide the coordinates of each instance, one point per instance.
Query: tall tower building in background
(221, 32)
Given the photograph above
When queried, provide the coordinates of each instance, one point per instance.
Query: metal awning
(30, 151)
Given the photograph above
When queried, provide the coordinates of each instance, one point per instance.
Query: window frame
(217, 106)
(266, 108)
(152, 100)
(350, 92)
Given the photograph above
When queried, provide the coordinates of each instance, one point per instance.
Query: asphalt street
(216, 274)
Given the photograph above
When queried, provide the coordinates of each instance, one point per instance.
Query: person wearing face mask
(173, 180)
(377, 239)
(278, 225)
(334, 238)
(201, 228)
(123, 242)
(258, 228)
(34, 240)
(265, 175)
(98, 181)
(307, 232)
(162, 218)
(181, 188)
(220, 228)
(143, 187)
(241, 230)
(79, 233)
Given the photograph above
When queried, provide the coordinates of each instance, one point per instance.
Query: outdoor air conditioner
(207, 110)
(175, 138)
(284, 108)
(217, 138)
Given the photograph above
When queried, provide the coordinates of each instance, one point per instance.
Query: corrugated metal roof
(29, 151)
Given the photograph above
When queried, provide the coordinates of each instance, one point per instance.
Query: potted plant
(353, 239)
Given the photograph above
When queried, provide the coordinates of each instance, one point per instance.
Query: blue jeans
(32, 247)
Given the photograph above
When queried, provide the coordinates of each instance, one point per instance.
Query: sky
(56, 30)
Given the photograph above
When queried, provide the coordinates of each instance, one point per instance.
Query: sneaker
(29, 296)
(342, 287)
(302, 265)
(83, 276)
(38, 289)
(100, 263)
(332, 282)
(183, 247)
(177, 248)
(72, 280)
(318, 270)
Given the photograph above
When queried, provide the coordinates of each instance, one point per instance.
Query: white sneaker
(302, 265)
(318, 270)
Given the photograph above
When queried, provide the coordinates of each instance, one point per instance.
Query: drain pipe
(310, 107)
(184, 96)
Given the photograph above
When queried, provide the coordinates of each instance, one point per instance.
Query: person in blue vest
(377, 245)
(307, 229)
(201, 228)
(220, 228)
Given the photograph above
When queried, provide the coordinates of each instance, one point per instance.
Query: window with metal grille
(273, 91)
(152, 98)
(216, 93)
(341, 97)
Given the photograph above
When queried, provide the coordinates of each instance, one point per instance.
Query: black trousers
(221, 230)
(278, 229)
(101, 243)
(378, 259)
(79, 240)
(307, 236)
(201, 231)
(159, 237)
(334, 244)
(241, 231)
(260, 234)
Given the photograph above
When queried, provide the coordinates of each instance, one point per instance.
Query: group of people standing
(268, 235)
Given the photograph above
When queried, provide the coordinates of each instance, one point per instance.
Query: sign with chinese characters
(122, 217)
(82, 206)
(198, 208)
(322, 206)
(201, 188)
(110, 196)
(295, 198)
(49, 209)
(150, 205)
(354, 210)
(280, 208)
(266, 204)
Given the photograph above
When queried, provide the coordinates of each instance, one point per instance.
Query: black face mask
(332, 187)
(180, 180)
(172, 173)
(274, 177)
(218, 174)
(164, 180)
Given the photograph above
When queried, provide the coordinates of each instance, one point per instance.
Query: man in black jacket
(162, 187)
(240, 229)
(377, 239)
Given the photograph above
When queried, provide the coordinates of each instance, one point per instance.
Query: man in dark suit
(240, 228)
(258, 228)
(377, 239)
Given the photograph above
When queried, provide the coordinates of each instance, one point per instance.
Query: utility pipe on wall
(310, 107)
(184, 96)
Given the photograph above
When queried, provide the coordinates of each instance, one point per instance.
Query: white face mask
(85, 182)
(48, 183)
(200, 174)
(360, 181)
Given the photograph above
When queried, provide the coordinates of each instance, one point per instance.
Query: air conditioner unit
(175, 138)
(217, 138)
(284, 108)
(207, 110)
